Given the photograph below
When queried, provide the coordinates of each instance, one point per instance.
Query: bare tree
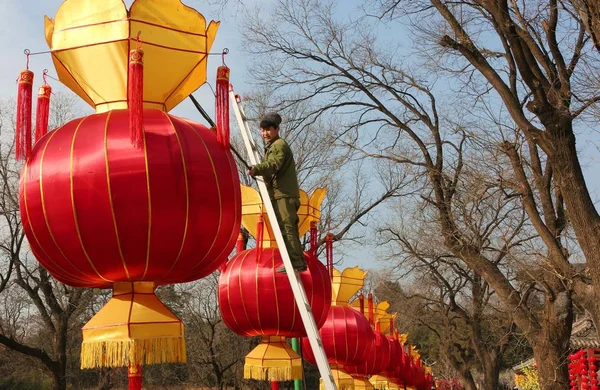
(320, 163)
(459, 297)
(395, 116)
(537, 58)
(215, 353)
(52, 306)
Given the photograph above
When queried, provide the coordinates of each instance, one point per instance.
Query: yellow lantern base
(273, 360)
(133, 328)
(342, 379)
(380, 382)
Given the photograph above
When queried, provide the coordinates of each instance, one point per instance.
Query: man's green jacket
(279, 170)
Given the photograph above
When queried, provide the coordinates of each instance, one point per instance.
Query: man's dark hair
(270, 119)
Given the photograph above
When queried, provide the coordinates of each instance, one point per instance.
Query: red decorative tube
(42, 111)
(240, 245)
(134, 375)
(313, 237)
(361, 300)
(260, 231)
(23, 120)
(371, 312)
(135, 96)
(222, 105)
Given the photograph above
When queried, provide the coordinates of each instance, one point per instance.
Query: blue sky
(22, 25)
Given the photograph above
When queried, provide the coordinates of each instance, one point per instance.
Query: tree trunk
(491, 372)
(59, 370)
(551, 347)
(551, 367)
(60, 379)
(467, 380)
(580, 207)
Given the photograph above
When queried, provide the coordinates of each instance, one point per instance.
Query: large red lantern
(254, 300)
(130, 197)
(97, 211)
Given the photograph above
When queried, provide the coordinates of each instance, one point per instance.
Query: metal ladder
(294, 278)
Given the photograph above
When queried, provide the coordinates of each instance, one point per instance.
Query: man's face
(269, 133)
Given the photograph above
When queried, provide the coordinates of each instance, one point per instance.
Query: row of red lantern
(256, 301)
(583, 373)
(351, 343)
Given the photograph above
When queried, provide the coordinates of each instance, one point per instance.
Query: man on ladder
(279, 171)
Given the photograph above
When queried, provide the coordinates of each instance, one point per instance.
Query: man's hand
(252, 171)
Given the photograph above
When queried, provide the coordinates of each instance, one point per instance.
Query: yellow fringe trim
(131, 352)
(274, 374)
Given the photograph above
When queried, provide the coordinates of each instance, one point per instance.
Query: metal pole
(296, 348)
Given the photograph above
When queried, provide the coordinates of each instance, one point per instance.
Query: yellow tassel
(274, 360)
(273, 374)
(132, 352)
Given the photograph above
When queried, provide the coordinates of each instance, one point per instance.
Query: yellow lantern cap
(253, 208)
(273, 360)
(90, 42)
(134, 327)
(345, 284)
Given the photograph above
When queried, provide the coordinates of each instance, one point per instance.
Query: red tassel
(42, 111)
(134, 374)
(240, 245)
(313, 237)
(260, 228)
(222, 106)
(23, 125)
(135, 96)
(370, 308)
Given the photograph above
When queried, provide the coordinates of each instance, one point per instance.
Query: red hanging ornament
(313, 238)
(135, 95)
(42, 109)
(23, 122)
(222, 104)
(260, 230)
(134, 375)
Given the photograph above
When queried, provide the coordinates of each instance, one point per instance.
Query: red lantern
(130, 197)
(379, 356)
(346, 334)
(98, 211)
(256, 301)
